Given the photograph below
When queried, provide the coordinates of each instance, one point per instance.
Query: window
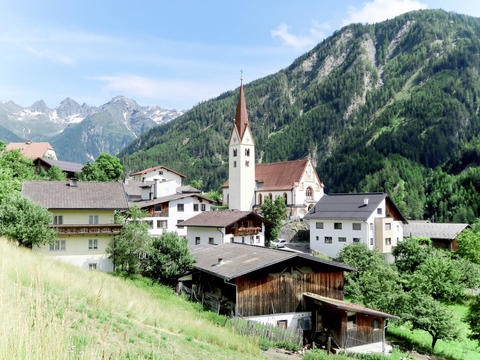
(57, 219)
(371, 226)
(203, 207)
(234, 152)
(317, 238)
(270, 196)
(328, 240)
(197, 240)
(351, 320)
(247, 163)
(342, 239)
(180, 207)
(337, 226)
(285, 197)
(379, 211)
(210, 241)
(234, 164)
(257, 239)
(388, 241)
(247, 152)
(259, 199)
(309, 193)
(161, 224)
(57, 245)
(179, 226)
(388, 226)
(371, 241)
(376, 324)
(160, 172)
(93, 219)
(92, 244)
(149, 223)
(356, 239)
(357, 226)
(282, 324)
(92, 266)
(195, 207)
(243, 239)
(158, 208)
(319, 225)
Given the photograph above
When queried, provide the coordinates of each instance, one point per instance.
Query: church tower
(241, 160)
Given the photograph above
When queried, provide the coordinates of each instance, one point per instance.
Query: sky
(174, 54)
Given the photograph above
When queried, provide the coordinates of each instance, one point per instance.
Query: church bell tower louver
(241, 160)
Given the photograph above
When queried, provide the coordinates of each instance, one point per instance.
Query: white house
(227, 226)
(249, 184)
(83, 215)
(341, 219)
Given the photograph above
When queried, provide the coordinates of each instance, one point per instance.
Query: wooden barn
(274, 287)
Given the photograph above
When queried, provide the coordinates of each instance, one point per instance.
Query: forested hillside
(386, 107)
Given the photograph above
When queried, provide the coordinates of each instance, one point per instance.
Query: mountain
(391, 107)
(80, 132)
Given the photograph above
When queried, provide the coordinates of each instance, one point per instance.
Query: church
(249, 184)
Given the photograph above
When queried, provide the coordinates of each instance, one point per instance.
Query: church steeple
(241, 117)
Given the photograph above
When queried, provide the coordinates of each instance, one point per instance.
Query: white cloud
(63, 59)
(316, 34)
(380, 10)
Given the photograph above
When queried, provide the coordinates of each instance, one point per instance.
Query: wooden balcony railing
(81, 229)
(244, 231)
(163, 213)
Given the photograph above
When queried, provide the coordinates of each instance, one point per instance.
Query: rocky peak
(39, 106)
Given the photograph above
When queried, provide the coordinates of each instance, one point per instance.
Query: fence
(269, 332)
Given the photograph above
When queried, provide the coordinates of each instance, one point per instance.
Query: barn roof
(242, 259)
(447, 231)
(85, 195)
(347, 306)
(30, 149)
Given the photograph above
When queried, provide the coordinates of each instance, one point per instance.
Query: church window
(259, 199)
(247, 163)
(234, 152)
(270, 196)
(285, 198)
(309, 193)
(234, 164)
(247, 152)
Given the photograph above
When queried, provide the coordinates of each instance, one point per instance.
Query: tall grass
(50, 310)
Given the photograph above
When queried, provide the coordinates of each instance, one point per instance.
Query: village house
(33, 150)
(442, 235)
(228, 226)
(69, 168)
(83, 215)
(248, 184)
(368, 218)
(282, 288)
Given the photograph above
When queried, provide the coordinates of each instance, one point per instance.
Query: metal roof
(347, 306)
(447, 231)
(85, 195)
(242, 259)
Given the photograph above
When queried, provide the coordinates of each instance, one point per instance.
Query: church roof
(241, 117)
(278, 176)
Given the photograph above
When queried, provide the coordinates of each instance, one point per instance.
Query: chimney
(365, 201)
(73, 182)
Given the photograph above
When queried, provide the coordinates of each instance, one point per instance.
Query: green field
(51, 310)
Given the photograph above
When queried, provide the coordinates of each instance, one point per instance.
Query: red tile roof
(156, 168)
(280, 175)
(241, 117)
(30, 149)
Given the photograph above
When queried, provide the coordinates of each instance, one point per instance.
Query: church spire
(241, 117)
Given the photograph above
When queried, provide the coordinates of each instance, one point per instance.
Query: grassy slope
(50, 310)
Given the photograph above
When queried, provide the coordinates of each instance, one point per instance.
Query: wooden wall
(282, 291)
(364, 333)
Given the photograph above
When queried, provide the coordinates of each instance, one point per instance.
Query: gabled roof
(30, 149)
(133, 187)
(349, 206)
(163, 199)
(145, 171)
(221, 218)
(241, 116)
(280, 175)
(187, 189)
(347, 306)
(242, 259)
(85, 195)
(447, 231)
(66, 166)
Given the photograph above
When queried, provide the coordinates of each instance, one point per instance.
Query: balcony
(245, 231)
(81, 229)
(163, 213)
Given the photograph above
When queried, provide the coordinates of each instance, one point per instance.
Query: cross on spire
(241, 76)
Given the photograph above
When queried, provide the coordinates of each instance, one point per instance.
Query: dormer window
(247, 152)
(234, 152)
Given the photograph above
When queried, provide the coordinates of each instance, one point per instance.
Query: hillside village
(271, 263)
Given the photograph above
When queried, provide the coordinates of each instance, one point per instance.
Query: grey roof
(133, 187)
(86, 195)
(433, 230)
(64, 165)
(221, 218)
(147, 203)
(241, 259)
(345, 206)
(188, 189)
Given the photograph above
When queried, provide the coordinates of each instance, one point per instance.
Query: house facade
(33, 150)
(248, 184)
(228, 226)
(338, 220)
(83, 216)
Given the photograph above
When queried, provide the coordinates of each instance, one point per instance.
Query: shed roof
(221, 218)
(66, 166)
(242, 259)
(348, 206)
(347, 306)
(85, 195)
(145, 171)
(30, 149)
(447, 231)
